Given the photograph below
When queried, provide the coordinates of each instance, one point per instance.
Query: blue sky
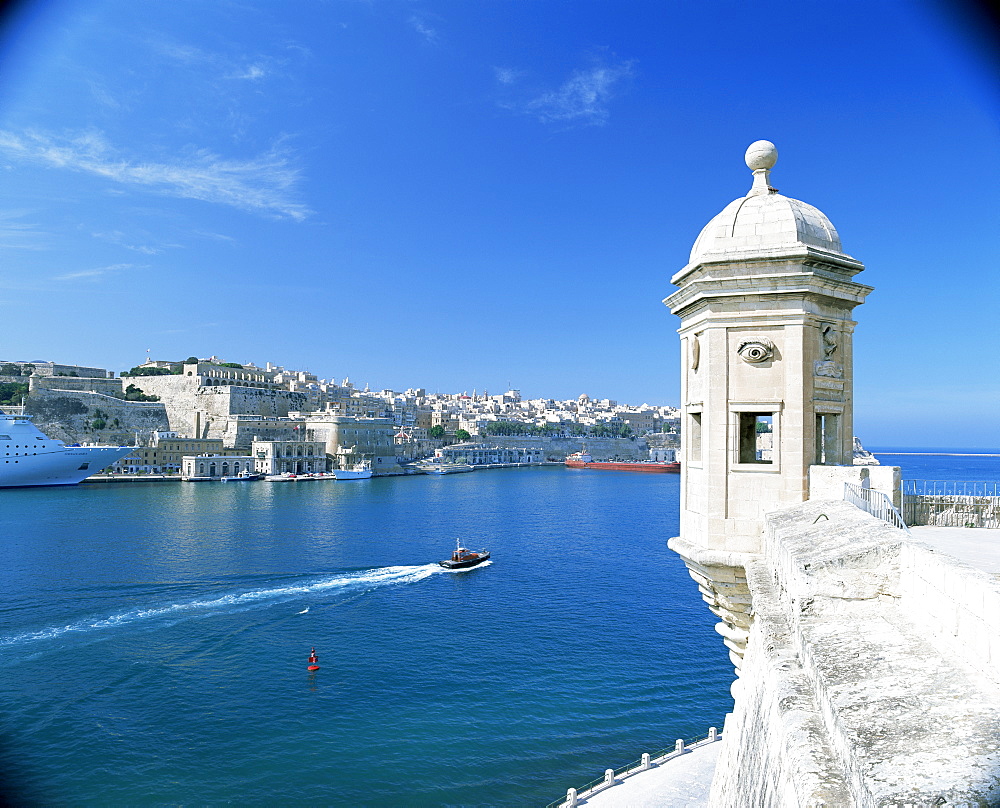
(467, 194)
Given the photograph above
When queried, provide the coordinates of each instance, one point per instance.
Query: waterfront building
(215, 467)
(478, 454)
(353, 440)
(166, 452)
(289, 456)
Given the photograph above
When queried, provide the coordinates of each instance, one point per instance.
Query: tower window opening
(756, 430)
(827, 439)
(693, 437)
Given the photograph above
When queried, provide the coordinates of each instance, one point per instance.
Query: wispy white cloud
(19, 235)
(186, 54)
(250, 72)
(215, 236)
(507, 75)
(119, 238)
(228, 66)
(583, 98)
(420, 25)
(99, 271)
(103, 96)
(264, 185)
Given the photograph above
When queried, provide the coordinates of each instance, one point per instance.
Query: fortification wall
(872, 671)
(558, 448)
(93, 384)
(87, 417)
(203, 412)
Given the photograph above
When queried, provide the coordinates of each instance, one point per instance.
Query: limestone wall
(204, 412)
(86, 417)
(871, 675)
(827, 482)
(93, 384)
(959, 607)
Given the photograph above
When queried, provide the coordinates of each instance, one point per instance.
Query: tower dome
(764, 222)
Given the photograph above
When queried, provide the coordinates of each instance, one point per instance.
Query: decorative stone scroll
(756, 350)
(695, 352)
(829, 368)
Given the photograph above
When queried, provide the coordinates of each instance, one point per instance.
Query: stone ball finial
(761, 154)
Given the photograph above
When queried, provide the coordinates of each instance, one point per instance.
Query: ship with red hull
(581, 460)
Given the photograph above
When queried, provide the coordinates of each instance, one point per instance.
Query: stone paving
(976, 546)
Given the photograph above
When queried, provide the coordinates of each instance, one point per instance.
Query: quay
(177, 478)
(676, 778)
(132, 478)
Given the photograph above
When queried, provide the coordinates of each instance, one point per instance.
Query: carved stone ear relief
(756, 350)
(829, 336)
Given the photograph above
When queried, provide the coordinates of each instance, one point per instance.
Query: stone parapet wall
(959, 606)
(827, 482)
(871, 675)
(109, 387)
(783, 756)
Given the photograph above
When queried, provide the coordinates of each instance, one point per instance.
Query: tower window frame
(828, 439)
(691, 436)
(744, 444)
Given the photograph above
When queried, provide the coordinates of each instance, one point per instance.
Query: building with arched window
(195, 468)
(289, 456)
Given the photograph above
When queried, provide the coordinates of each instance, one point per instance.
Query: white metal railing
(951, 503)
(645, 763)
(874, 502)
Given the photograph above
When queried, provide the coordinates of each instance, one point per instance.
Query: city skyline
(469, 195)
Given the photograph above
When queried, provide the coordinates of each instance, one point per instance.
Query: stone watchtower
(765, 304)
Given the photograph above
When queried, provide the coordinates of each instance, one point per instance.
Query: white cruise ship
(29, 457)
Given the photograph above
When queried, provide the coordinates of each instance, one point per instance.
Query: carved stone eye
(756, 350)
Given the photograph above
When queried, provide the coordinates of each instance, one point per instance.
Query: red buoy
(313, 659)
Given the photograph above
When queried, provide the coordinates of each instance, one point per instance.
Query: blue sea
(949, 464)
(154, 640)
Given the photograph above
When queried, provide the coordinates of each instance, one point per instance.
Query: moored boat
(463, 558)
(582, 460)
(243, 477)
(358, 471)
(445, 468)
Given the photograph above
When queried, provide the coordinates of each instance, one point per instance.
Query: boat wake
(351, 582)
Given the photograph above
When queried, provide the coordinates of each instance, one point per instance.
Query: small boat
(445, 468)
(463, 558)
(358, 471)
(243, 477)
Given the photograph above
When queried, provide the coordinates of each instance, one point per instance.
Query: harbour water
(154, 640)
(959, 465)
